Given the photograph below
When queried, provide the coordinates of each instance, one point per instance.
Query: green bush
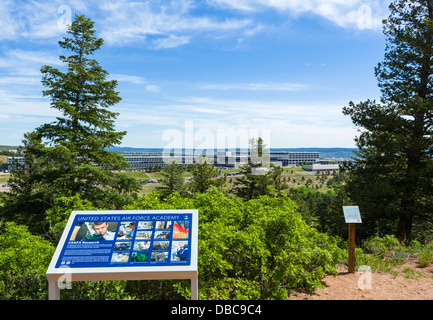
(258, 249)
(426, 255)
(380, 246)
(24, 259)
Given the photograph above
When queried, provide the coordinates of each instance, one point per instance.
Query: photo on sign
(126, 230)
(143, 235)
(181, 230)
(163, 225)
(179, 251)
(145, 225)
(141, 245)
(163, 235)
(93, 231)
(161, 245)
(159, 256)
(140, 257)
(122, 246)
(120, 257)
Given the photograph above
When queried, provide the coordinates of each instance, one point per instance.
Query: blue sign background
(128, 240)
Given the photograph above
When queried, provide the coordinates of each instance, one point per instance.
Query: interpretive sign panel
(127, 245)
(352, 214)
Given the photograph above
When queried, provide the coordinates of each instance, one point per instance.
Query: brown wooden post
(351, 261)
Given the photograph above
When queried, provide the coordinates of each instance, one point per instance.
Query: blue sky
(195, 72)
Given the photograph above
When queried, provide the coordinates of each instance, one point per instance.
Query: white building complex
(232, 159)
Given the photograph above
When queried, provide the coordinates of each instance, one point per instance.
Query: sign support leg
(53, 291)
(194, 289)
(351, 261)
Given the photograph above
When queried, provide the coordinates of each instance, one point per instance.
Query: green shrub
(24, 259)
(258, 249)
(426, 256)
(380, 246)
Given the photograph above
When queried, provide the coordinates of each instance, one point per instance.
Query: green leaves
(204, 176)
(172, 180)
(257, 249)
(24, 259)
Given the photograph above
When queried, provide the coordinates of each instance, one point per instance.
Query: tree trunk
(404, 231)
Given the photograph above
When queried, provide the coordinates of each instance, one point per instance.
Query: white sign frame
(56, 275)
(352, 214)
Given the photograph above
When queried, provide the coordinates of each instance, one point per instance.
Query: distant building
(317, 167)
(285, 158)
(15, 160)
(294, 158)
(231, 159)
(141, 161)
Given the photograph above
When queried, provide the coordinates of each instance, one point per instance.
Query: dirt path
(376, 285)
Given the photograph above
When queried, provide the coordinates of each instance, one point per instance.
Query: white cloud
(15, 59)
(30, 20)
(21, 80)
(171, 42)
(153, 88)
(171, 23)
(17, 105)
(360, 14)
(254, 86)
(289, 124)
(127, 78)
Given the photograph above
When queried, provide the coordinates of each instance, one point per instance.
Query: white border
(126, 273)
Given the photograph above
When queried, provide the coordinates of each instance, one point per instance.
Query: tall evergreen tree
(393, 176)
(72, 155)
(204, 176)
(172, 180)
(255, 180)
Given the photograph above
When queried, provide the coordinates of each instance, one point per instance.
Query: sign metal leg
(53, 291)
(194, 289)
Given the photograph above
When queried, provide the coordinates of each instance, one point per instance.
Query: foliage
(24, 260)
(259, 249)
(205, 176)
(392, 179)
(380, 246)
(386, 253)
(69, 156)
(323, 210)
(58, 215)
(426, 255)
(258, 177)
(29, 195)
(172, 180)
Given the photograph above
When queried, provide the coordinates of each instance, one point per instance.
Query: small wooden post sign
(352, 216)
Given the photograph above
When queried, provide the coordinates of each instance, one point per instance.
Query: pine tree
(392, 178)
(72, 151)
(172, 180)
(255, 180)
(205, 176)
